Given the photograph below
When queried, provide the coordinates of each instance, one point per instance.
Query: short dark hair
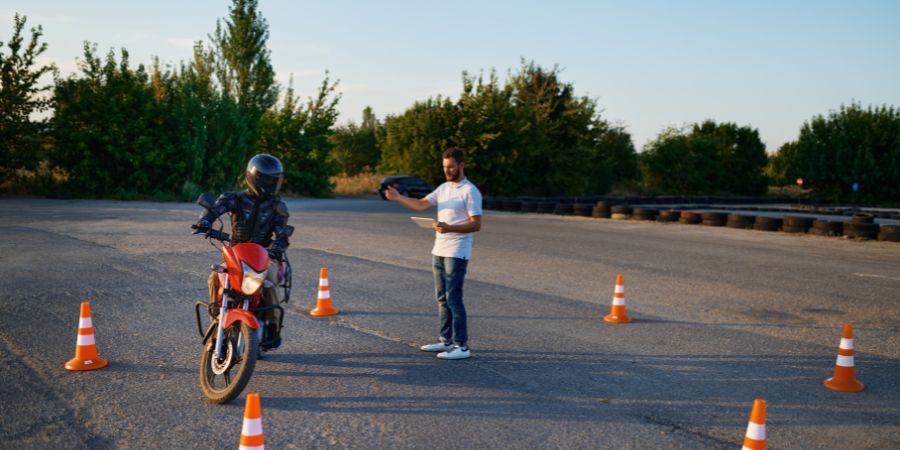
(458, 154)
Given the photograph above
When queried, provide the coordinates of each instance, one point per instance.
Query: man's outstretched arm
(417, 204)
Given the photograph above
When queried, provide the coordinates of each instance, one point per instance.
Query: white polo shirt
(455, 202)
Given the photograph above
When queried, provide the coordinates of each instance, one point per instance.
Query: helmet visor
(263, 184)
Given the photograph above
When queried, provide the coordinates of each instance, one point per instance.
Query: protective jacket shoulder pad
(281, 208)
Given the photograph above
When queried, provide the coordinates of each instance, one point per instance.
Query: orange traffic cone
(252, 437)
(844, 378)
(755, 438)
(323, 301)
(618, 313)
(86, 357)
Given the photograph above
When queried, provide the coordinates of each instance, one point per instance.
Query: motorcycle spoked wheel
(223, 379)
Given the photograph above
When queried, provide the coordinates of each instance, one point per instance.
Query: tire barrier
(583, 209)
(689, 217)
(512, 205)
(645, 213)
(795, 224)
(601, 212)
(861, 230)
(859, 223)
(545, 207)
(493, 204)
(889, 233)
(740, 221)
(621, 212)
(763, 223)
(563, 209)
(669, 215)
(714, 219)
(529, 206)
(827, 228)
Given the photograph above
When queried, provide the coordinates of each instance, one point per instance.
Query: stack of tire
(861, 226)
(645, 213)
(740, 221)
(621, 212)
(714, 219)
(827, 228)
(512, 204)
(690, 217)
(583, 209)
(796, 224)
(889, 233)
(545, 207)
(601, 210)
(564, 209)
(668, 215)
(529, 206)
(493, 203)
(763, 223)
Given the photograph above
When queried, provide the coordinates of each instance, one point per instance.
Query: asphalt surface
(721, 316)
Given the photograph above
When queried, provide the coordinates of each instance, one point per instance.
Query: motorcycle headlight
(252, 279)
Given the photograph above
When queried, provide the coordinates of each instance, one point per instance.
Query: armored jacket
(254, 220)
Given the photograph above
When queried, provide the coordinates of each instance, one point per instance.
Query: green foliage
(175, 132)
(708, 158)
(299, 135)
(22, 141)
(243, 63)
(850, 145)
(531, 135)
(355, 147)
(413, 141)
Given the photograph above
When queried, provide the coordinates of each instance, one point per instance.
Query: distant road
(721, 316)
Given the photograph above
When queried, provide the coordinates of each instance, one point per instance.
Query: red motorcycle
(232, 340)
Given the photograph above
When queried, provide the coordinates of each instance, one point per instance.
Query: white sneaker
(439, 347)
(455, 353)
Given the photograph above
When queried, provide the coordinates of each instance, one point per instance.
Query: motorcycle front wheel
(222, 379)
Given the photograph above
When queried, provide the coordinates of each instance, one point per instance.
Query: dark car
(409, 186)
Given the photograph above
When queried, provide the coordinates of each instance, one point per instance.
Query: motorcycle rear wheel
(223, 379)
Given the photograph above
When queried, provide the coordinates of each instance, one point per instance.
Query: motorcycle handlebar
(215, 234)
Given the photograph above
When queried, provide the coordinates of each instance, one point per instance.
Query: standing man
(459, 215)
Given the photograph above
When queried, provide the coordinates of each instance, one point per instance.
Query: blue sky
(650, 64)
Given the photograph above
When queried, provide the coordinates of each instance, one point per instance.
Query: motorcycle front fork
(219, 334)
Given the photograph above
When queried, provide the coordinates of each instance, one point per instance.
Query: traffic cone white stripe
(256, 447)
(323, 282)
(756, 431)
(252, 427)
(847, 344)
(845, 361)
(85, 339)
(618, 302)
(620, 289)
(324, 294)
(85, 322)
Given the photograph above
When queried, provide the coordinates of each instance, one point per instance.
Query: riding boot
(274, 337)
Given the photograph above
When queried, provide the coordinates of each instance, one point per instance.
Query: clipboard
(424, 222)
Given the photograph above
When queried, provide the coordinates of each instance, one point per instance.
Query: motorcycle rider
(256, 214)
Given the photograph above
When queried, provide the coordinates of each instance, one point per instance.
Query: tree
(21, 135)
(531, 135)
(849, 146)
(356, 146)
(299, 134)
(243, 66)
(707, 158)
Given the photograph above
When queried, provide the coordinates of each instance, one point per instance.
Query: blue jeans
(449, 274)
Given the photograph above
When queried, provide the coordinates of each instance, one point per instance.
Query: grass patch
(363, 184)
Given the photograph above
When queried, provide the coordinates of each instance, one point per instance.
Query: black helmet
(264, 175)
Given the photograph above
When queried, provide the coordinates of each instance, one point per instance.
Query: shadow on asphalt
(599, 387)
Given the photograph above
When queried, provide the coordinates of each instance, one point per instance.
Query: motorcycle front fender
(234, 315)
